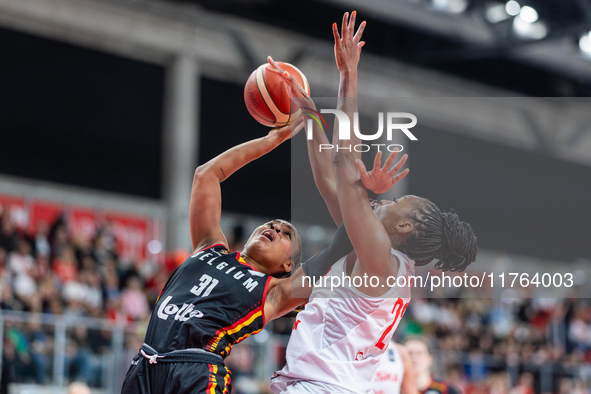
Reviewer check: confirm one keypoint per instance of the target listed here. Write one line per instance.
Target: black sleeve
(340, 245)
(319, 264)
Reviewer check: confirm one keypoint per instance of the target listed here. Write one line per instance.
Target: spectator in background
(8, 232)
(499, 383)
(94, 292)
(41, 241)
(111, 280)
(4, 273)
(419, 351)
(21, 265)
(104, 245)
(58, 237)
(525, 384)
(40, 349)
(65, 265)
(134, 301)
(8, 366)
(75, 291)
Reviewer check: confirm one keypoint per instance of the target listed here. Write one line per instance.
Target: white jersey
(338, 339)
(390, 372)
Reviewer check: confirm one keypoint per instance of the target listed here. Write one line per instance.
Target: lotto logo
(182, 313)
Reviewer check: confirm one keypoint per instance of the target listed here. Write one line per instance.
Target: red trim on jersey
(245, 318)
(244, 262)
(208, 247)
(264, 298)
(213, 342)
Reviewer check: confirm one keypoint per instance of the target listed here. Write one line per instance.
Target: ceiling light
(512, 7)
(528, 14)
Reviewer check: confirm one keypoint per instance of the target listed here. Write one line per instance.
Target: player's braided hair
(442, 236)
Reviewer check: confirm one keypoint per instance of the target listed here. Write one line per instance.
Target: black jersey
(212, 301)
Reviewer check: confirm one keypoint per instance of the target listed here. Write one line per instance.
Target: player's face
(391, 212)
(271, 245)
(419, 356)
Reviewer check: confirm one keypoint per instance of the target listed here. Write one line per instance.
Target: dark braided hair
(442, 236)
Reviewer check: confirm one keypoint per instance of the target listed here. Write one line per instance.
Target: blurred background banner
(108, 106)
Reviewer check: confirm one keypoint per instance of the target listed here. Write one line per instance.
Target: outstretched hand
(347, 46)
(380, 179)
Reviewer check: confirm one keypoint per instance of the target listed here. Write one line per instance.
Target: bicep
(283, 298)
(205, 210)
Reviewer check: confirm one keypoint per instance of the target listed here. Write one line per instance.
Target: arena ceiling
(544, 52)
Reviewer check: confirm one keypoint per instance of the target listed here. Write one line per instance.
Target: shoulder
(217, 246)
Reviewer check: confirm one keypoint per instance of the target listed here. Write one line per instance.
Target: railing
(111, 366)
(114, 363)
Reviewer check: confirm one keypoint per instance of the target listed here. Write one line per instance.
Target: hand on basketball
(286, 132)
(381, 179)
(347, 46)
(294, 89)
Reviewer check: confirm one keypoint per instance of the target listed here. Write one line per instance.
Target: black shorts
(178, 372)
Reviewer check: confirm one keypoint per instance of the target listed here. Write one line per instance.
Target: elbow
(200, 171)
(342, 158)
(337, 158)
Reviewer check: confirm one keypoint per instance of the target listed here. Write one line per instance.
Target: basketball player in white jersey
(337, 341)
(395, 373)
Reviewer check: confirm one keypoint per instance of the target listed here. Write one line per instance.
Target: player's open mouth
(269, 234)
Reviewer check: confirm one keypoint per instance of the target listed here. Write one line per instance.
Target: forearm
(348, 103)
(367, 234)
(323, 172)
(235, 158)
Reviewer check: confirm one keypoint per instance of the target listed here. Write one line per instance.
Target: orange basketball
(266, 97)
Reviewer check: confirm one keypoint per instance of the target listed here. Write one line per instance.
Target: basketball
(266, 97)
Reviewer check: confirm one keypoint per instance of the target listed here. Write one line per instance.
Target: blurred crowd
(54, 271)
(485, 345)
(482, 345)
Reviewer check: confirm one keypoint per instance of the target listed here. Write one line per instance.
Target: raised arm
(205, 208)
(366, 232)
(346, 58)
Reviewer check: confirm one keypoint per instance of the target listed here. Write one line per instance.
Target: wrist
(348, 72)
(276, 137)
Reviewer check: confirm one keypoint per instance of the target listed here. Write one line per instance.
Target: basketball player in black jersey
(216, 299)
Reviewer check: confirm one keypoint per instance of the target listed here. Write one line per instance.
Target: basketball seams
(267, 119)
(256, 81)
(269, 113)
(260, 79)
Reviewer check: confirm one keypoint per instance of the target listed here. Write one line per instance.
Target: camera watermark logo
(344, 127)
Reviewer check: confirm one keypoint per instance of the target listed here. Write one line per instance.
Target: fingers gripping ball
(267, 98)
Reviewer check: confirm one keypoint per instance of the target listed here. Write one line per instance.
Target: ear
(404, 226)
(288, 266)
